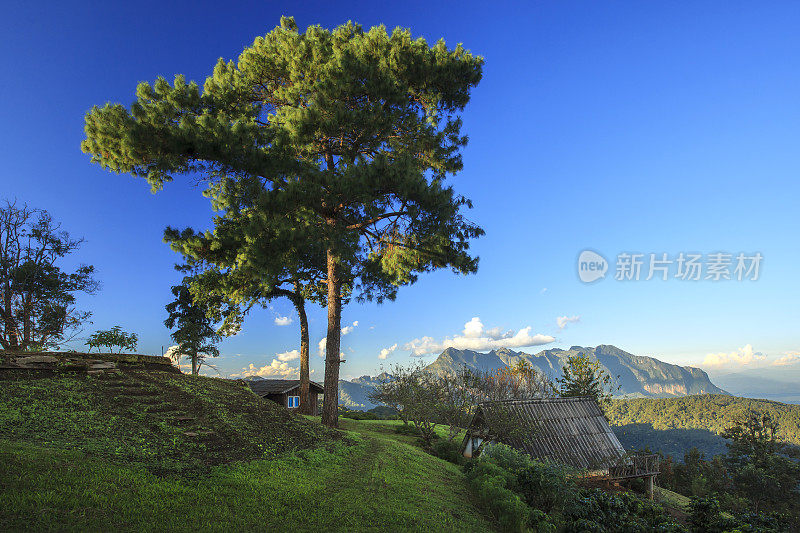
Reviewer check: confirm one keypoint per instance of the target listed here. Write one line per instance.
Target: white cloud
(741, 357)
(387, 351)
(474, 328)
(291, 355)
(349, 329)
(562, 321)
(544, 290)
(475, 337)
(276, 369)
(173, 353)
(283, 320)
(322, 348)
(789, 359)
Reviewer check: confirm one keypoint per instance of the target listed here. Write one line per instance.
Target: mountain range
(637, 376)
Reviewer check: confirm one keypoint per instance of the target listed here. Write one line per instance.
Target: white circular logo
(591, 266)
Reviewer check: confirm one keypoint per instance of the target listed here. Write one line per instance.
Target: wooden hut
(568, 431)
(286, 392)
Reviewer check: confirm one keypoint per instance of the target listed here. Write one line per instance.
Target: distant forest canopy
(672, 442)
(714, 413)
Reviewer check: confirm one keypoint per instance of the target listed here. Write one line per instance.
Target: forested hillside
(714, 413)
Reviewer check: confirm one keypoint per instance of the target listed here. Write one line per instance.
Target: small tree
(583, 376)
(516, 382)
(459, 395)
(760, 472)
(113, 338)
(194, 329)
(415, 395)
(37, 297)
(392, 391)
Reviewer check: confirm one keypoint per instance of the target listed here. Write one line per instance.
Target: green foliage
(760, 472)
(696, 476)
(599, 511)
(490, 483)
(37, 297)
(553, 501)
(584, 376)
(113, 338)
(715, 413)
(407, 429)
(449, 450)
(674, 442)
(546, 486)
(194, 328)
(755, 477)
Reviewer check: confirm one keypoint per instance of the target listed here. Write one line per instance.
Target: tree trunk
(330, 404)
(195, 370)
(305, 397)
(10, 325)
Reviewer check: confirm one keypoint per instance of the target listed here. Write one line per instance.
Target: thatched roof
(263, 387)
(570, 431)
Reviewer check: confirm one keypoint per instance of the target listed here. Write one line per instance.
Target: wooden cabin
(568, 431)
(286, 392)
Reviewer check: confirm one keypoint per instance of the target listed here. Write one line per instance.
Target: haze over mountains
(639, 376)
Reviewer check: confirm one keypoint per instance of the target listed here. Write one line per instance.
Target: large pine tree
(353, 132)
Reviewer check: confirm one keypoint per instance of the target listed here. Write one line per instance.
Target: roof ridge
(541, 400)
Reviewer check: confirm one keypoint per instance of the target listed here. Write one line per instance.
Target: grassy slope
(373, 479)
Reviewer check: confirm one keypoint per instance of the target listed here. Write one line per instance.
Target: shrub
(705, 515)
(506, 507)
(596, 510)
(507, 458)
(552, 501)
(546, 486)
(448, 450)
(407, 429)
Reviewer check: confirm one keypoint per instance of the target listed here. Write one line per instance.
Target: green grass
(671, 499)
(136, 417)
(367, 478)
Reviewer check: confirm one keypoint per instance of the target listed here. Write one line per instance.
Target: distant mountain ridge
(639, 376)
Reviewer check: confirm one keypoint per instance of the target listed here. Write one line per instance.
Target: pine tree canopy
(339, 140)
(359, 128)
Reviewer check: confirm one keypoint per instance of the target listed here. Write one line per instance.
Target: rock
(103, 366)
(94, 372)
(36, 359)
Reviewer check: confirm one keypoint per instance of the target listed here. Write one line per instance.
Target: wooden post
(649, 486)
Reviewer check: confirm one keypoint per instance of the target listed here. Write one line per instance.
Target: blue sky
(613, 126)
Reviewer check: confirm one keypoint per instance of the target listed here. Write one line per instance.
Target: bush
(407, 429)
(507, 458)
(546, 486)
(705, 515)
(449, 450)
(546, 498)
(596, 510)
(504, 506)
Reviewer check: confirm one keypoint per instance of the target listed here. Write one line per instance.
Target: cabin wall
(283, 399)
